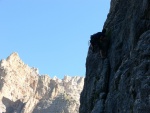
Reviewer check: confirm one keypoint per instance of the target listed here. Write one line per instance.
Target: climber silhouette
(99, 42)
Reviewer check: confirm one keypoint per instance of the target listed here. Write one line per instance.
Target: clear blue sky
(51, 35)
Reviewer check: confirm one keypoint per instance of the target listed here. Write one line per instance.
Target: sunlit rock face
(120, 83)
(23, 90)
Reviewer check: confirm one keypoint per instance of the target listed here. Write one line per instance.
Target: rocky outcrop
(120, 83)
(23, 90)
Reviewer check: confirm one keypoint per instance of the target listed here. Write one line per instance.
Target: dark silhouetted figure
(99, 42)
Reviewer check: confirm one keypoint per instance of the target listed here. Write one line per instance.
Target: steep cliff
(23, 90)
(120, 83)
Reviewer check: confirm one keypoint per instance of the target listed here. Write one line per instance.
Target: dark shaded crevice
(11, 106)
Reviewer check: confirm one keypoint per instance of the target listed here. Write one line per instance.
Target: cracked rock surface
(120, 83)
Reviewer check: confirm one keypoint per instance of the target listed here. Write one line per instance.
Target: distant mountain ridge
(23, 90)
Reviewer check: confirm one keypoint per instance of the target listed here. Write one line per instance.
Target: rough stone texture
(23, 90)
(121, 82)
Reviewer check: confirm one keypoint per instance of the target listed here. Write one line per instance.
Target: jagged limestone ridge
(23, 90)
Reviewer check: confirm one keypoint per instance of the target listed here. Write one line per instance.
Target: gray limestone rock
(120, 83)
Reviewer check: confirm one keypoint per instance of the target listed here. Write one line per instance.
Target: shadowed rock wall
(121, 82)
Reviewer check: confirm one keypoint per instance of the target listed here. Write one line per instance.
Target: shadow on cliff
(58, 105)
(11, 106)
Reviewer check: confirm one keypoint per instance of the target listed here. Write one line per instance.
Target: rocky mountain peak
(13, 56)
(23, 90)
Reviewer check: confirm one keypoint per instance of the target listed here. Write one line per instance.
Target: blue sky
(51, 35)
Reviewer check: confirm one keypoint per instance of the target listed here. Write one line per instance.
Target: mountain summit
(23, 90)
